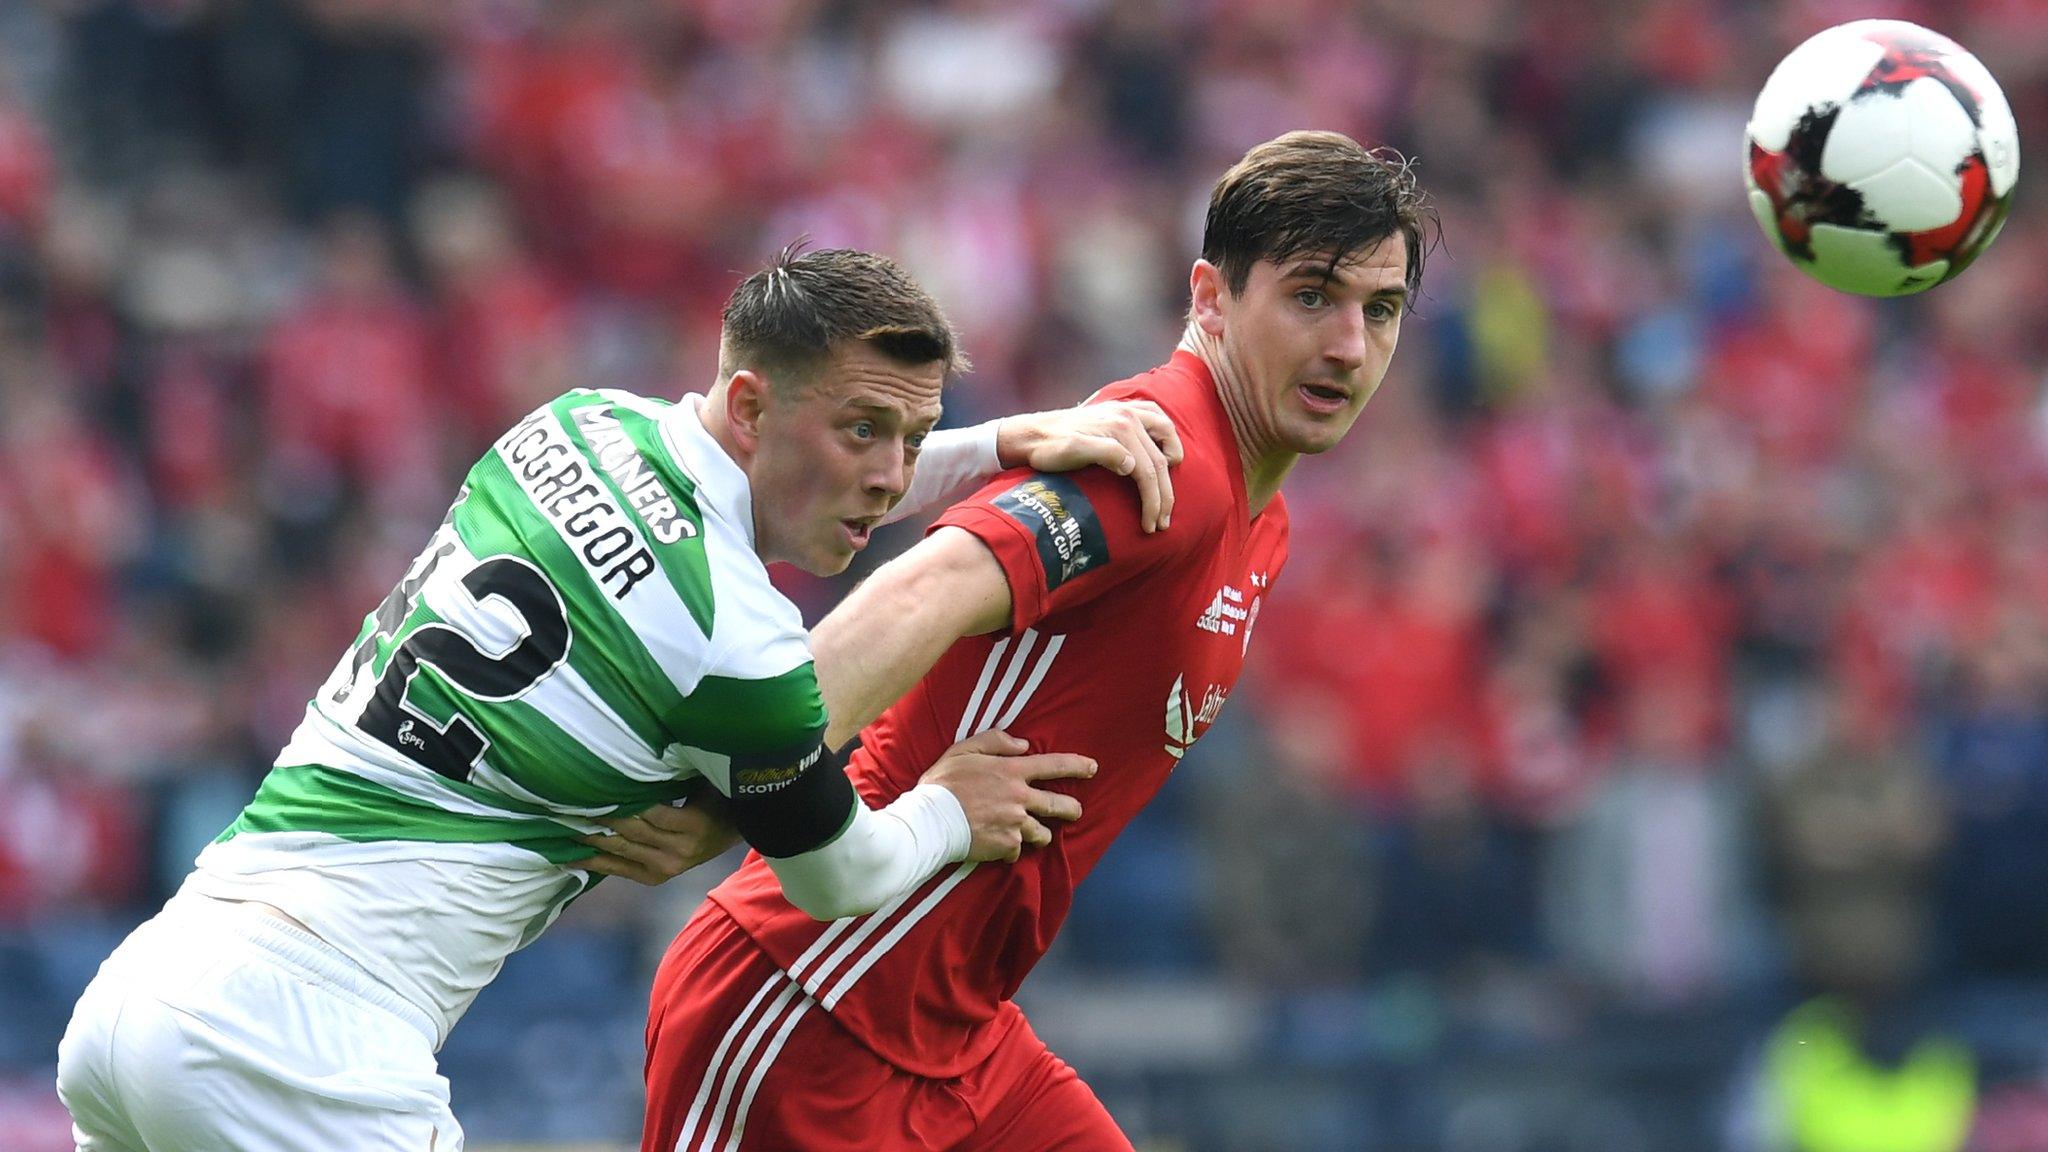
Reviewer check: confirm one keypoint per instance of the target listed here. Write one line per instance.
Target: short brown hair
(785, 319)
(1306, 193)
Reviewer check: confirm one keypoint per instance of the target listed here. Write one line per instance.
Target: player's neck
(1264, 472)
(712, 414)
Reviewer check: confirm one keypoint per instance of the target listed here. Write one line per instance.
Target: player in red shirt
(1040, 607)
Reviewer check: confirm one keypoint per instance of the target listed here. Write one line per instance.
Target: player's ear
(1206, 292)
(746, 400)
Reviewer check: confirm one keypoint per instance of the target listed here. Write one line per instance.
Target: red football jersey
(1122, 647)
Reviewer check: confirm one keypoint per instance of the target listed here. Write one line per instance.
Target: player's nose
(1345, 347)
(889, 472)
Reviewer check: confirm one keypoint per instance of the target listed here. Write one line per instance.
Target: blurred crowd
(1672, 633)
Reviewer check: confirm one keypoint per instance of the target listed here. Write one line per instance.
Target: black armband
(789, 805)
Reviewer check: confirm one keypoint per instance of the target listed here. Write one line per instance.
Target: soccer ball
(1882, 157)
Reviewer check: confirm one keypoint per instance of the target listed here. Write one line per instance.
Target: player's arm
(1132, 438)
(978, 802)
(1005, 558)
(894, 627)
(833, 855)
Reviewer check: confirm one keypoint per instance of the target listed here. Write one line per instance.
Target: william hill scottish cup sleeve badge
(1062, 522)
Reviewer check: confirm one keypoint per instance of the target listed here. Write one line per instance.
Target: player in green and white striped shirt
(590, 635)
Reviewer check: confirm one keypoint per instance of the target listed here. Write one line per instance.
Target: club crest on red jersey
(1187, 719)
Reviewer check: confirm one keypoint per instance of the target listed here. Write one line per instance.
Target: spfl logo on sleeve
(1069, 537)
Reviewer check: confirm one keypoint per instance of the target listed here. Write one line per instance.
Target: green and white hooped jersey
(589, 630)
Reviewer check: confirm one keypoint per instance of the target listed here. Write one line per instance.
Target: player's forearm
(886, 635)
(834, 855)
(880, 856)
(952, 460)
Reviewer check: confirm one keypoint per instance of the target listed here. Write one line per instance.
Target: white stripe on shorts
(729, 1064)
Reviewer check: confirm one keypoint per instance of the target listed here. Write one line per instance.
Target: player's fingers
(1155, 480)
(689, 821)
(605, 865)
(994, 742)
(674, 851)
(1107, 451)
(1052, 805)
(1146, 474)
(1036, 835)
(1008, 844)
(654, 859)
(632, 830)
(1159, 428)
(1055, 766)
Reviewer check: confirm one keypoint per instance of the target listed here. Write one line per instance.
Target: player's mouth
(1324, 398)
(858, 531)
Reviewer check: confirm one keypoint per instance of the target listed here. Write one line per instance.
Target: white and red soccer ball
(1882, 157)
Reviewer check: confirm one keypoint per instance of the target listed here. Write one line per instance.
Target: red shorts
(738, 1057)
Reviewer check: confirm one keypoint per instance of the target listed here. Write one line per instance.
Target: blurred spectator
(1854, 828)
(348, 398)
(505, 330)
(68, 514)
(1649, 889)
(1824, 1089)
(1456, 882)
(1296, 885)
(1991, 740)
(68, 838)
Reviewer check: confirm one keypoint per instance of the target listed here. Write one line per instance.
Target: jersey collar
(722, 485)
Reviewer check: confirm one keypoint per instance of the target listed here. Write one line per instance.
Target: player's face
(1309, 345)
(837, 454)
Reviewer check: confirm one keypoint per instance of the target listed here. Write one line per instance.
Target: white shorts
(216, 1027)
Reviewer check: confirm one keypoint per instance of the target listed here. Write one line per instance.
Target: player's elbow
(824, 911)
(828, 905)
(823, 886)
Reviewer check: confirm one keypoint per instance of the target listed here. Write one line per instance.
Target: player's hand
(661, 843)
(1129, 437)
(992, 777)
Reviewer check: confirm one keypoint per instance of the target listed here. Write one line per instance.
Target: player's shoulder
(1178, 385)
(1205, 480)
(626, 437)
(611, 474)
(612, 415)
(575, 399)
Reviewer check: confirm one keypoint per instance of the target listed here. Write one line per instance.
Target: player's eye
(1311, 298)
(863, 430)
(916, 441)
(1382, 310)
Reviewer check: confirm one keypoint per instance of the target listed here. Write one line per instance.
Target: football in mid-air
(1882, 157)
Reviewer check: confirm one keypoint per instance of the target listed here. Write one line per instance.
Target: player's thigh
(1031, 1101)
(215, 1041)
(276, 1064)
(84, 1081)
(92, 1064)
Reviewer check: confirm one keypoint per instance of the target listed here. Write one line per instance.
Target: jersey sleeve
(953, 462)
(754, 717)
(1065, 539)
(754, 700)
(761, 741)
